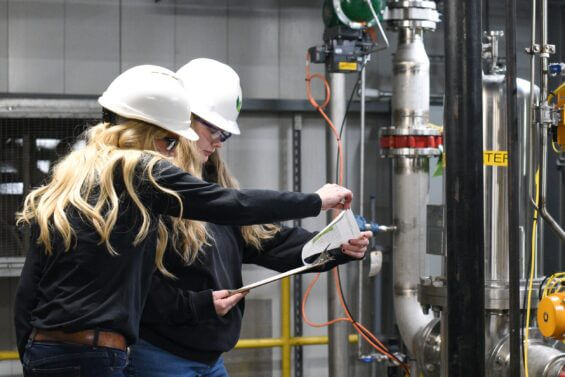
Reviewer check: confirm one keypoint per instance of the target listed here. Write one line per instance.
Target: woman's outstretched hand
(335, 197)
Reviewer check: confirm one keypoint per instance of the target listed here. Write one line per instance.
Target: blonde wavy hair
(216, 171)
(90, 189)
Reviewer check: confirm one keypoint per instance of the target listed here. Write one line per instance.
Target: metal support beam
(464, 190)
(30, 105)
(514, 207)
(297, 280)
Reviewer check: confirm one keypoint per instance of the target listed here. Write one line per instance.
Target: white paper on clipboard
(342, 229)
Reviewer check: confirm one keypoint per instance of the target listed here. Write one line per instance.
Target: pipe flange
(427, 346)
(497, 296)
(420, 131)
(433, 293)
(410, 152)
(411, 4)
(404, 24)
(411, 14)
(410, 142)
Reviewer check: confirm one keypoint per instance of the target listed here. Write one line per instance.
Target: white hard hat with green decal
(214, 92)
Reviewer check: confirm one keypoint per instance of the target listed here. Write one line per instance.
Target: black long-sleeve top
(87, 288)
(179, 315)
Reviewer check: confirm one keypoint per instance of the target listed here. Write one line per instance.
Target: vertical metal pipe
(533, 102)
(336, 107)
(410, 183)
(513, 189)
(411, 81)
(338, 350)
(464, 190)
(545, 130)
(544, 56)
(361, 291)
(297, 280)
(410, 188)
(529, 138)
(362, 146)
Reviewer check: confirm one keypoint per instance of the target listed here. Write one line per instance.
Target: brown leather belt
(93, 338)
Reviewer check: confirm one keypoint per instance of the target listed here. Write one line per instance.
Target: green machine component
(349, 12)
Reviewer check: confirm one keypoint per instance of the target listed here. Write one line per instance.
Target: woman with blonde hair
(97, 231)
(191, 320)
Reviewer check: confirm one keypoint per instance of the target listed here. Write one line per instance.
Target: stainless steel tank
(496, 181)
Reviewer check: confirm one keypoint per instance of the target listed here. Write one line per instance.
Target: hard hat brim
(219, 121)
(183, 129)
(188, 134)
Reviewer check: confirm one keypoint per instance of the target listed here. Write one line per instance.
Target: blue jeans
(150, 361)
(54, 359)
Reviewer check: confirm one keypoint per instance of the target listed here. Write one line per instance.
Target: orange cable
(305, 298)
(362, 330)
(372, 339)
(320, 109)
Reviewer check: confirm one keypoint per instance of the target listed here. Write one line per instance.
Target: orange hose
(365, 334)
(320, 109)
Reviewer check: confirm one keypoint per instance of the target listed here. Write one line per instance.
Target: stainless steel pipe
(338, 344)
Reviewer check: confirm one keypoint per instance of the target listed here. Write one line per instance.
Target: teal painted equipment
(351, 13)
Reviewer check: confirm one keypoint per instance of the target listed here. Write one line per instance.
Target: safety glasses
(170, 142)
(215, 132)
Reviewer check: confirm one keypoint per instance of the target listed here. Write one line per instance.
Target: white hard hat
(213, 91)
(152, 94)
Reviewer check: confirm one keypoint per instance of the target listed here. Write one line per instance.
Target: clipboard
(324, 258)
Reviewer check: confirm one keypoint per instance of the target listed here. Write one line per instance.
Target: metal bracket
(548, 49)
(533, 50)
(545, 114)
(537, 49)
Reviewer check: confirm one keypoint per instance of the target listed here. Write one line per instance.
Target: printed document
(342, 229)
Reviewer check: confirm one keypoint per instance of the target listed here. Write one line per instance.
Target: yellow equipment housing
(551, 316)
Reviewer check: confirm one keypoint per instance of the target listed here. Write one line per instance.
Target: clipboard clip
(325, 257)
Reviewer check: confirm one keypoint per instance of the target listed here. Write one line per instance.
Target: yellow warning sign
(347, 66)
(495, 158)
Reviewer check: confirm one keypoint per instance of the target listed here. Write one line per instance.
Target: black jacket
(179, 315)
(88, 288)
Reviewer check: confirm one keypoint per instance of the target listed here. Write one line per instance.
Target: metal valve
(373, 227)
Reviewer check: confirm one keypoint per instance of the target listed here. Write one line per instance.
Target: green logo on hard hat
(238, 104)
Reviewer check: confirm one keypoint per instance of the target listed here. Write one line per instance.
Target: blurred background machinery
(471, 218)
